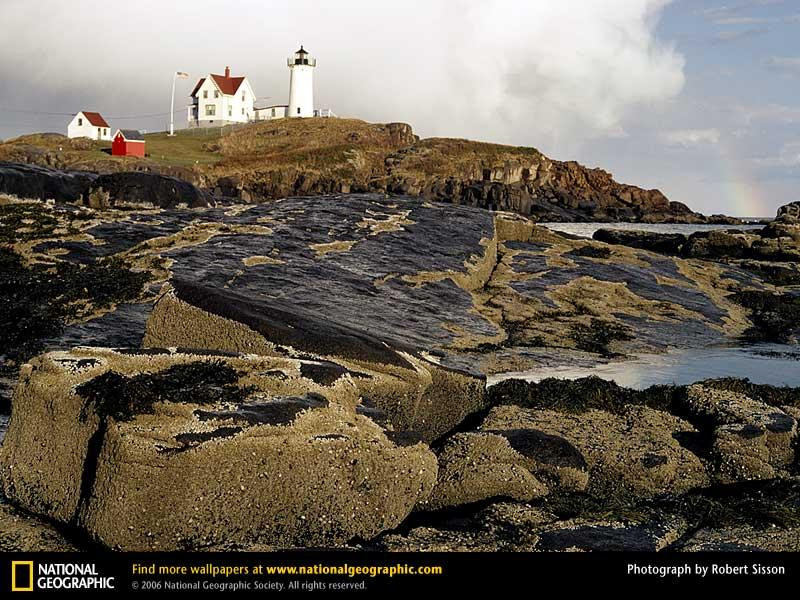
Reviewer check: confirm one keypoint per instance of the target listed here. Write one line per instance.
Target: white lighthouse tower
(301, 84)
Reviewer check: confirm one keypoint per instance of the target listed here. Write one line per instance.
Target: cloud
(783, 64)
(715, 14)
(743, 20)
(789, 156)
(726, 37)
(543, 73)
(691, 137)
(768, 113)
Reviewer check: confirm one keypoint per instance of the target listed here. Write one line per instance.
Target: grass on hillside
(188, 147)
(337, 147)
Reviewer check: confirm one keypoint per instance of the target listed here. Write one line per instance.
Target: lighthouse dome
(302, 57)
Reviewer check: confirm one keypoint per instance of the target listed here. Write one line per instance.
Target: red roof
(197, 87)
(95, 118)
(227, 85)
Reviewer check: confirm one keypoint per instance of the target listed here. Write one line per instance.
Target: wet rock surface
(469, 287)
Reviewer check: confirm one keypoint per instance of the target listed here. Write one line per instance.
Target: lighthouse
(301, 84)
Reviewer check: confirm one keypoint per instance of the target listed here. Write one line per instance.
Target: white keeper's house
(221, 100)
(90, 125)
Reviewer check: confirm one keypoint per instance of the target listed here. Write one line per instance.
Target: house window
(298, 110)
(230, 111)
(216, 94)
(273, 112)
(105, 131)
(242, 110)
(80, 122)
(242, 96)
(211, 110)
(205, 93)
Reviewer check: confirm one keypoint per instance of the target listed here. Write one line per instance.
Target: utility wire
(55, 114)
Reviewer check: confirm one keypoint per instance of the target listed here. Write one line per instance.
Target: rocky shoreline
(311, 372)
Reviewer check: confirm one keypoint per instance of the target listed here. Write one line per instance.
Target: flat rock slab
(478, 290)
(157, 450)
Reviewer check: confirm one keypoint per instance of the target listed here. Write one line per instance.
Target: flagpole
(175, 76)
(172, 106)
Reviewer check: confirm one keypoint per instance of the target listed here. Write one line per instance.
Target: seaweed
(598, 335)
(776, 317)
(36, 301)
(580, 395)
(767, 503)
(768, 394)
(26, 221)
(122, 398)
(591, 252)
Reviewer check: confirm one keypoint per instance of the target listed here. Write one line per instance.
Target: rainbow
(743, 193)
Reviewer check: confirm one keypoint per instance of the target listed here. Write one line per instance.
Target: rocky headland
(311, 372)
(276, 159)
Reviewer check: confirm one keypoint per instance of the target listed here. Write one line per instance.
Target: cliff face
(525, 181)
(321, 156)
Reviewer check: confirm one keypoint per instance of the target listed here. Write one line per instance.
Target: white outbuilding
(274, 111)
(90, 125)
(221, 100)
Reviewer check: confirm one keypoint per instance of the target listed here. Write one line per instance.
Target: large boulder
(41, 183)
(750, 439)
(789, 213)
(711, 245)
(415, 392)
(477, 466)
(20, 532)
(165, 451)
(150, 189)
(665, 243)
(631, 455)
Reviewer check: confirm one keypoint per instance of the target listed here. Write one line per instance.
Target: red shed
(127, 142)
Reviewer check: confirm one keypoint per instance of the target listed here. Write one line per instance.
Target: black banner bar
(364, 572)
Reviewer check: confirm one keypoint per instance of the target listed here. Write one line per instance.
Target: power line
(72, 114)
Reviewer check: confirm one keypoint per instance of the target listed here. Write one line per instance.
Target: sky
(696, 98)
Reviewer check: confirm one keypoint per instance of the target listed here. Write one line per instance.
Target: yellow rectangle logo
(23, 583)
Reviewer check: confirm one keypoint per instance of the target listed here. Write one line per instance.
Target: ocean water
(587, 230)
(775, 364)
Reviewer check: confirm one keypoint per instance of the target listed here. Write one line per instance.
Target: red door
(118, 146)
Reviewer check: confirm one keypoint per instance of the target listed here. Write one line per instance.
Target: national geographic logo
(27, 577)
